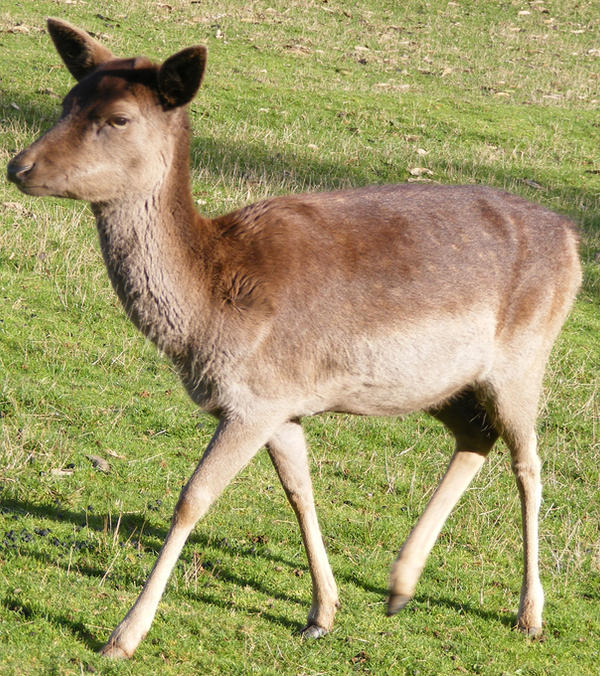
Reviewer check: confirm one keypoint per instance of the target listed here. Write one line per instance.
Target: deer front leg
(287, 448)
(409, 565)
(231, 448)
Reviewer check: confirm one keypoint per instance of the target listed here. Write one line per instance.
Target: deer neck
(153, 248)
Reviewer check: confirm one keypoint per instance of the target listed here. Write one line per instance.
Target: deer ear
(180, 76)
(80, 52)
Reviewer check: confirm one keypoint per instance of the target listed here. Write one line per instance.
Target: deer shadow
(225, 571)
(138, 526)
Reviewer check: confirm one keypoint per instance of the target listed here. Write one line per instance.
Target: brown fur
(381, 301)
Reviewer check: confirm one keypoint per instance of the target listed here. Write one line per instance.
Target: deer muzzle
(18, 169)
(21, 171)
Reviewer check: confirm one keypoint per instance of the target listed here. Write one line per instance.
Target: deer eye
(118, 121)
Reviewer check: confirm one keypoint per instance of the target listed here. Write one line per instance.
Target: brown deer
(375, 301)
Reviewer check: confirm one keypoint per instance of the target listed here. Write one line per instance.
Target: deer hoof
(531, 632)
(313, 631)
(115, 652)
(396, 602)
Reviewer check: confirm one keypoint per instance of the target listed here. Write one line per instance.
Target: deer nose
(17, 170)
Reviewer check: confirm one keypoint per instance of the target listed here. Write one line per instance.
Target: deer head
(119, 124)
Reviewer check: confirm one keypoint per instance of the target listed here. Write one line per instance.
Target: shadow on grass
(78, 629)
(224, 571)
(136, 525)
(509, 620)
(93, 642)
(222, 159)
(131, 523)
(282, 620)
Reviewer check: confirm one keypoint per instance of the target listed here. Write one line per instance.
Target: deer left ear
(80, 52)
(180, 76)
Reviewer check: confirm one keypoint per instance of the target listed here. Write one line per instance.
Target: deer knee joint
(527, 470)
(190, 508)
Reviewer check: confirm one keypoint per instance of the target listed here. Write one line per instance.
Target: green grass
(298, 95)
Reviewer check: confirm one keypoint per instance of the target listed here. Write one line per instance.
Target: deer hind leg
(231, 448)
(526, 468)
(287, 448)
(474, 435)
(516, 414)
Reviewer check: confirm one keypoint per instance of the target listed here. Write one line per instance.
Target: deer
(378, 300)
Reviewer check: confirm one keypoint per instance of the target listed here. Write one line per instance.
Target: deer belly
(412, 369)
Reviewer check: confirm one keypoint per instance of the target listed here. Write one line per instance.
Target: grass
(300, 95)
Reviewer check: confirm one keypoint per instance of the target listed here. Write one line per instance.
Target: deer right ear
(80, 52)
(180, 76)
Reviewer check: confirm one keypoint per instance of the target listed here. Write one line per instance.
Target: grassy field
(299, 95)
